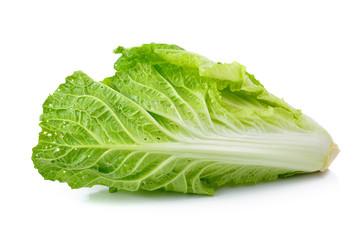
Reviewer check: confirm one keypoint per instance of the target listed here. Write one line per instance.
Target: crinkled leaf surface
(174, 120)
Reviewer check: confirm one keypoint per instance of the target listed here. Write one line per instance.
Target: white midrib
(298, 152)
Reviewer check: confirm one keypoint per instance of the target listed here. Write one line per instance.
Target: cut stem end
(332, 154)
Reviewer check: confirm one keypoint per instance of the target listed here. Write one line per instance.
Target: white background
(307, 52)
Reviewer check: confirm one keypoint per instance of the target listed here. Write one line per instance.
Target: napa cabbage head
(174, 120)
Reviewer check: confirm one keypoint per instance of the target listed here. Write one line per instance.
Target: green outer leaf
(174, 120)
